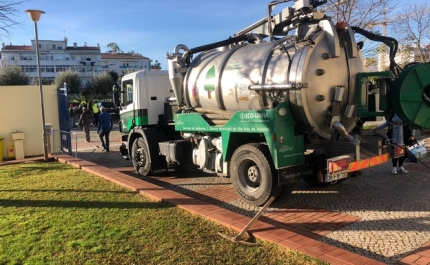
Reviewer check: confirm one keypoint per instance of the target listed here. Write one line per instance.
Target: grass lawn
(53, 213)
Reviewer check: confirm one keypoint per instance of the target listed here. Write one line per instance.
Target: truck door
(127, 105)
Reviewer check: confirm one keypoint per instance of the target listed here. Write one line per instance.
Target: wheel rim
(249, 176)
(140, 157)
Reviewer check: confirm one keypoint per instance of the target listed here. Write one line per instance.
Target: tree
(363, 14)
(113, 46)
(114, 75)
(359, 13)
(73, 81)
(156, 65)
(7, 10)
(127, 71)
(99, 86)
(45, 81)
(413, 27)
(12, 75)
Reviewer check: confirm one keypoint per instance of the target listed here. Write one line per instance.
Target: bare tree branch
(413, 29)
(363, 14)
(8, 10)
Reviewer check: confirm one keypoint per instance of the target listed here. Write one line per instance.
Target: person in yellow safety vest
(95, 109)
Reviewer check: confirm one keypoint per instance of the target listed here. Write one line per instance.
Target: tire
(140, 157)
(253, 174)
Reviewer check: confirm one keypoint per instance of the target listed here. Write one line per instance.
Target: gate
(65, 142)
(62, 139)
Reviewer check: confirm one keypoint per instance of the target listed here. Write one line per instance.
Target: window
(54, 46)
(127, 85)
(61, 68)
(27, 68)
(46, 56)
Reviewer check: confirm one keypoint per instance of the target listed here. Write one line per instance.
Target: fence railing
(64, 142)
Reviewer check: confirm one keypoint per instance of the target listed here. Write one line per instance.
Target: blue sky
(149, 27)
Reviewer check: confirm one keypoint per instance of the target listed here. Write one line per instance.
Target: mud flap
(288, 175)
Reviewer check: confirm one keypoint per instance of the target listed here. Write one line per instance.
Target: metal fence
(64, 142)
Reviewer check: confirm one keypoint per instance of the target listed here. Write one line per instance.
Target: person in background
(76, 116)
(104, 128)
(95, 108)
(400, 134)
(71, 116)
(85, 121)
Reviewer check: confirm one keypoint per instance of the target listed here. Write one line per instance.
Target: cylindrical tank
(321, 70)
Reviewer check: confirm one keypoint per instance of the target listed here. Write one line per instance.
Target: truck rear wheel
(253, 174)
(140, 157)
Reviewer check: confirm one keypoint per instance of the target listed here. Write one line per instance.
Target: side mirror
(116, 98)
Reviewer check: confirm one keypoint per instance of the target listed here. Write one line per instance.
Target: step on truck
(274, 103)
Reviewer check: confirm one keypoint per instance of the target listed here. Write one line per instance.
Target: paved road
(394, 209)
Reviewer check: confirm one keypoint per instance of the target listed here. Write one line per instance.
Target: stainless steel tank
(315, 74)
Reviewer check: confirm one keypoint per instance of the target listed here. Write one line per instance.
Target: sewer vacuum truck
(282, 100)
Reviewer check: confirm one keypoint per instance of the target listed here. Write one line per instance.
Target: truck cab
(145, 105)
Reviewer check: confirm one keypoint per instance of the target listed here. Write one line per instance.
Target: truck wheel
(253, 174)
(140, 157)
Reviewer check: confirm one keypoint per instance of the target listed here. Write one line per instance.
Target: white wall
(20, 109)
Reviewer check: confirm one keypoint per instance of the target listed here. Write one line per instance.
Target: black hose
(248, 37)
(390, 42)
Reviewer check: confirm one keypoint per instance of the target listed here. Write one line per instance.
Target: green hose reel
(410, 95)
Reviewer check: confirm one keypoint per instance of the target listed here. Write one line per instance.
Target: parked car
(111, 108)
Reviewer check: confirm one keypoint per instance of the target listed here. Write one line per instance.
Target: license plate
(335, 176)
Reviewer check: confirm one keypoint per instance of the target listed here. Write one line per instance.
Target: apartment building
(120, 62)
(55, 57)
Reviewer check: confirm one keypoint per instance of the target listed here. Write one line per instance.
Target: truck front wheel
(253, 174)
(140, 157)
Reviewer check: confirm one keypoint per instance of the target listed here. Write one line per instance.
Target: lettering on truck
(291, 175)
(254, 115)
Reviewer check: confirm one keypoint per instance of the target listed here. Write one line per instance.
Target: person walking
(104, 127)
(399, 133)
(95, 109)
(71, 116)
(85, 121)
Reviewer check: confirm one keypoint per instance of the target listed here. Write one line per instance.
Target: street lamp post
(35, 16)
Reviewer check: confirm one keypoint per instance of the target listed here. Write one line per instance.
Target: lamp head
(34, 14)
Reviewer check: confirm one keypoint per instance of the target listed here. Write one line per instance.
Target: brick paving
(374, 219)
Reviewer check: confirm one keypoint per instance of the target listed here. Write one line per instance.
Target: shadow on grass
(83, 204)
